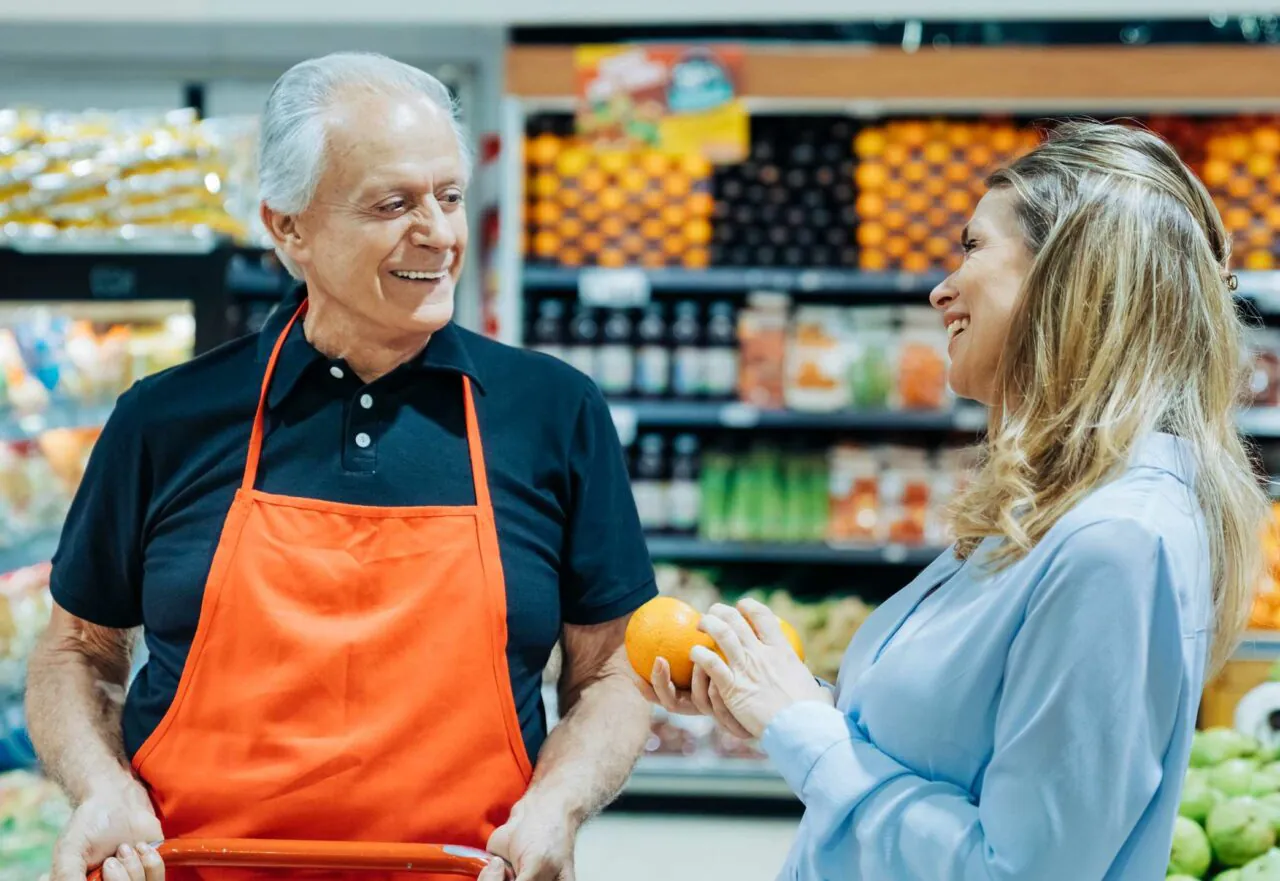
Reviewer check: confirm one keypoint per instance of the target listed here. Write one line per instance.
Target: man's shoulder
(203, 386)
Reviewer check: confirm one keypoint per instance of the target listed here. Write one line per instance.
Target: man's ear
(284, 231)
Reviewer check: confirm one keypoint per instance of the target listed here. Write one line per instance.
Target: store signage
(675, 98)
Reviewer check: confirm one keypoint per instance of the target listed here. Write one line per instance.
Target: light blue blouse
(1033, 724)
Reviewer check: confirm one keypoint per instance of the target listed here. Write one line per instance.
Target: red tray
(441, 859)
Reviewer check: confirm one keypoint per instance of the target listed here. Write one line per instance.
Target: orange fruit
(695, 165)
(572, 162)
(870, 235)
(871, 176)
(613, 162)
(793, 637)
(546, 244)
(701, 204)
(1259, 260)
(653, 163)
(665, 628)
(873, 261)
(612, 200)
(543, 149)
(697, 258)
(869, 143)
(870, 205)
(698, 232)
(677, 185)
(895, 155)
(937, 152)
(1216, 172)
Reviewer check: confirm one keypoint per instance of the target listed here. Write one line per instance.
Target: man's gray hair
(291, 145)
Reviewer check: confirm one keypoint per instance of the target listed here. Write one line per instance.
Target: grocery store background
(747, 283)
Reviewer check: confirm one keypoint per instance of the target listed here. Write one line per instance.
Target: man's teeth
(420, 276)
(956, 326)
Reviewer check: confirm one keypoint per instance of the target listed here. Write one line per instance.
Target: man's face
(386, 233)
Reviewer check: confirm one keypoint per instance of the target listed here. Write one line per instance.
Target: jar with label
(584, 338)
(684, 493)
(817, 369)
(688, 368)
(721, 353)
(548, 334)
(653, 354)
(616, 357)
(872, 343)
(649, 483)
(922, 362)
(855, 509)
(762, 349)
(906, 494)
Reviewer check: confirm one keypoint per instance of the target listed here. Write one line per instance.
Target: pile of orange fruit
(1266, 602)
(1242, 171)
(589, 206)
(918, 181)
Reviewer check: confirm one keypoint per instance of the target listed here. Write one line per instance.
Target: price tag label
(739, 416)
(613, 288)
(624, 422)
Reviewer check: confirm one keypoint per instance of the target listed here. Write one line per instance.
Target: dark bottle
(720, 358)
(616, 357)
(688, 367)
(653, 356)
(584, 339)
(684, 496)
(649, 483)
(548, 334)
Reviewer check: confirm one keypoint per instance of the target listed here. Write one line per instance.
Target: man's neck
(370, 351)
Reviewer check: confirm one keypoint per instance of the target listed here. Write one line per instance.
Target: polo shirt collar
(446, 351)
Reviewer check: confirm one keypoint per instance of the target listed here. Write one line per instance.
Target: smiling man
(351, 541)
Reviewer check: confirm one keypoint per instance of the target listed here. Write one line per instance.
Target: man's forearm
(75, 697)
(589, 755)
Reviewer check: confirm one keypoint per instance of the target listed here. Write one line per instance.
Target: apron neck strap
(478, 472)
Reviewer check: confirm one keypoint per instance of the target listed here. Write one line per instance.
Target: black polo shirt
(138, 543)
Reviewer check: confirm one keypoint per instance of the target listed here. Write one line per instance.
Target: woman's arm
(1091, 697)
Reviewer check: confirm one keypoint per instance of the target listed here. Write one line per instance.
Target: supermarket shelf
(38, 548)
(677, 775)
(678, 549)
(1259, 645)
(704, 414)
(1259, 421)
(59, 414)
(733, 280)
(135, 245)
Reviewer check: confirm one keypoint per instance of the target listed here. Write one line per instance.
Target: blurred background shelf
(59, 414)
(678, 549)
(707, 776)
(1259, 645)
(29, 551)
(735, 280)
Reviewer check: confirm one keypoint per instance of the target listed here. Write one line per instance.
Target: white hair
(292, 139)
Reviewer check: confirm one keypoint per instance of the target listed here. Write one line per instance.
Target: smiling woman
(1024, 708)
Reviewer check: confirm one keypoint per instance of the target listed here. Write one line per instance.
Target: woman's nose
(942, 296)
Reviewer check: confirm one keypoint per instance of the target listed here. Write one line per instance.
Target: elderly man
(351, 541)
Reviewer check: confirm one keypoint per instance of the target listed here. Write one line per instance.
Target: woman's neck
(371, 351)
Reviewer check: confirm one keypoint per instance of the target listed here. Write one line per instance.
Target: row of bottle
(648, 353)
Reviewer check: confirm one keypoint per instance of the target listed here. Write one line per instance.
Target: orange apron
(348, 676)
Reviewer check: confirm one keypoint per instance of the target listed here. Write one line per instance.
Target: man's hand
(539, 844)
(115, 829)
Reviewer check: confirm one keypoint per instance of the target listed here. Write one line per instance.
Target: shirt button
(336, 372)
(363, 440)
(366, 401)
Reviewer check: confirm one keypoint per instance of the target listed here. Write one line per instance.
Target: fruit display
(1229, 815)
(25, 607)
(132, 175)
(614, 208)
(61, 370)
(1241, 168)
(32, 813)
(918, 181)
(791, 203)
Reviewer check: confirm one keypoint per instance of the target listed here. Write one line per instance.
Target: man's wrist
(115, 783)
(552, 800)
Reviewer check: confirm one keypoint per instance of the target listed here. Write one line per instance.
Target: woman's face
(977, 300)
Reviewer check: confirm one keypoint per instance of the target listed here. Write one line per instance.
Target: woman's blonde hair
(1126, 325)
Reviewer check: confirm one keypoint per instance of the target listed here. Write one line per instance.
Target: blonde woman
(1024, 708)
